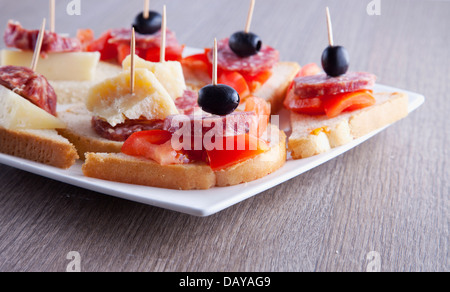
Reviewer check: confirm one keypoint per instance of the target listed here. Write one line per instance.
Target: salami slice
(237, 123)
(30, 85)
(123, 36)
(320, 85)
(20, 38)
(228, 60)
(122, 132)
(188, 103)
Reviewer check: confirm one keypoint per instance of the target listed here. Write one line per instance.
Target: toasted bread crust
(306, 142)
(80, 133)
(39, 147)
(85, 144)
(194, 176)
(131, 170)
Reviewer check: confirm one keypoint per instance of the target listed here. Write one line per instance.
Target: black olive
(149, 25)
(245, 44)
(335, 61)
(218, 99)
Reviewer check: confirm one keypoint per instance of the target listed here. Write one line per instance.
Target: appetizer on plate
(69, 70)
(245, 63)
(218, 146)
(28, 116)
(114, 44)
(333, 108)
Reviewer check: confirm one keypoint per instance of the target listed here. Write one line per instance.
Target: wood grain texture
(389, 195)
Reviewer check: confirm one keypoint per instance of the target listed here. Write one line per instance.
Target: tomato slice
(235, 80)
(244, 147)
(334, 105)
(86, 36)
(107, 51)
(255, 82)
(173, 53)
(309, 70)
(124, 50)
(155, 145)
(262, 109)
(307, 106)
(198, 63)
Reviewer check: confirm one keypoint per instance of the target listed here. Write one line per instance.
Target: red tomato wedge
(335, 105)
(154, 145)
(124, 50)
(309, 70)
(198, 62)
(172, 54)
(107, 51)
(332, 105)
(244, 147)
(307, 106)
(262, 109)
(235, 80)
(255, 82)
(86, 36)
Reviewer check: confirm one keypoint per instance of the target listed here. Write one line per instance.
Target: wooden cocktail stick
(214, 79)
(163, 36)
(37, 49)
(250, 16)
(146, 9)
(52, 15)
(330, 28)
(133, 61)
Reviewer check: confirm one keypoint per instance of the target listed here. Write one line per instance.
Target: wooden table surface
(383, 205)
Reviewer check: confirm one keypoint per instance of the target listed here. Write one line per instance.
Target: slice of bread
(313, 135)
(76, 91)
(139, 171)
(80, 133)
(273, 91)
(43, 146)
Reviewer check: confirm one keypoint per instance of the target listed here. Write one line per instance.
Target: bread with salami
(328, 112)
(28, 119)
(261, 75)
(192, 176)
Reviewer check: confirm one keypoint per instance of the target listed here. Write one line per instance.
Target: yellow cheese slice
(112, 100)
(169, 73)
(76, 66)
(17, 113)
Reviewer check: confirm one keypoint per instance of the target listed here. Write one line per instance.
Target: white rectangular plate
(197, 203)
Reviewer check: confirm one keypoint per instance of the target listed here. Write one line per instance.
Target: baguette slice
(313, 135)
(132, 170)
(80, 133)
(43, 146)
(273, 91)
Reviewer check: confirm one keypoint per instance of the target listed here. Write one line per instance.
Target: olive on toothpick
(244, 43)
(147, 22)
(218, 99)
(335, 59)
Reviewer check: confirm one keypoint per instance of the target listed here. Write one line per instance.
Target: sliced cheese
(77, 66)
(169, 73)
(112, 100)
(17, 113)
